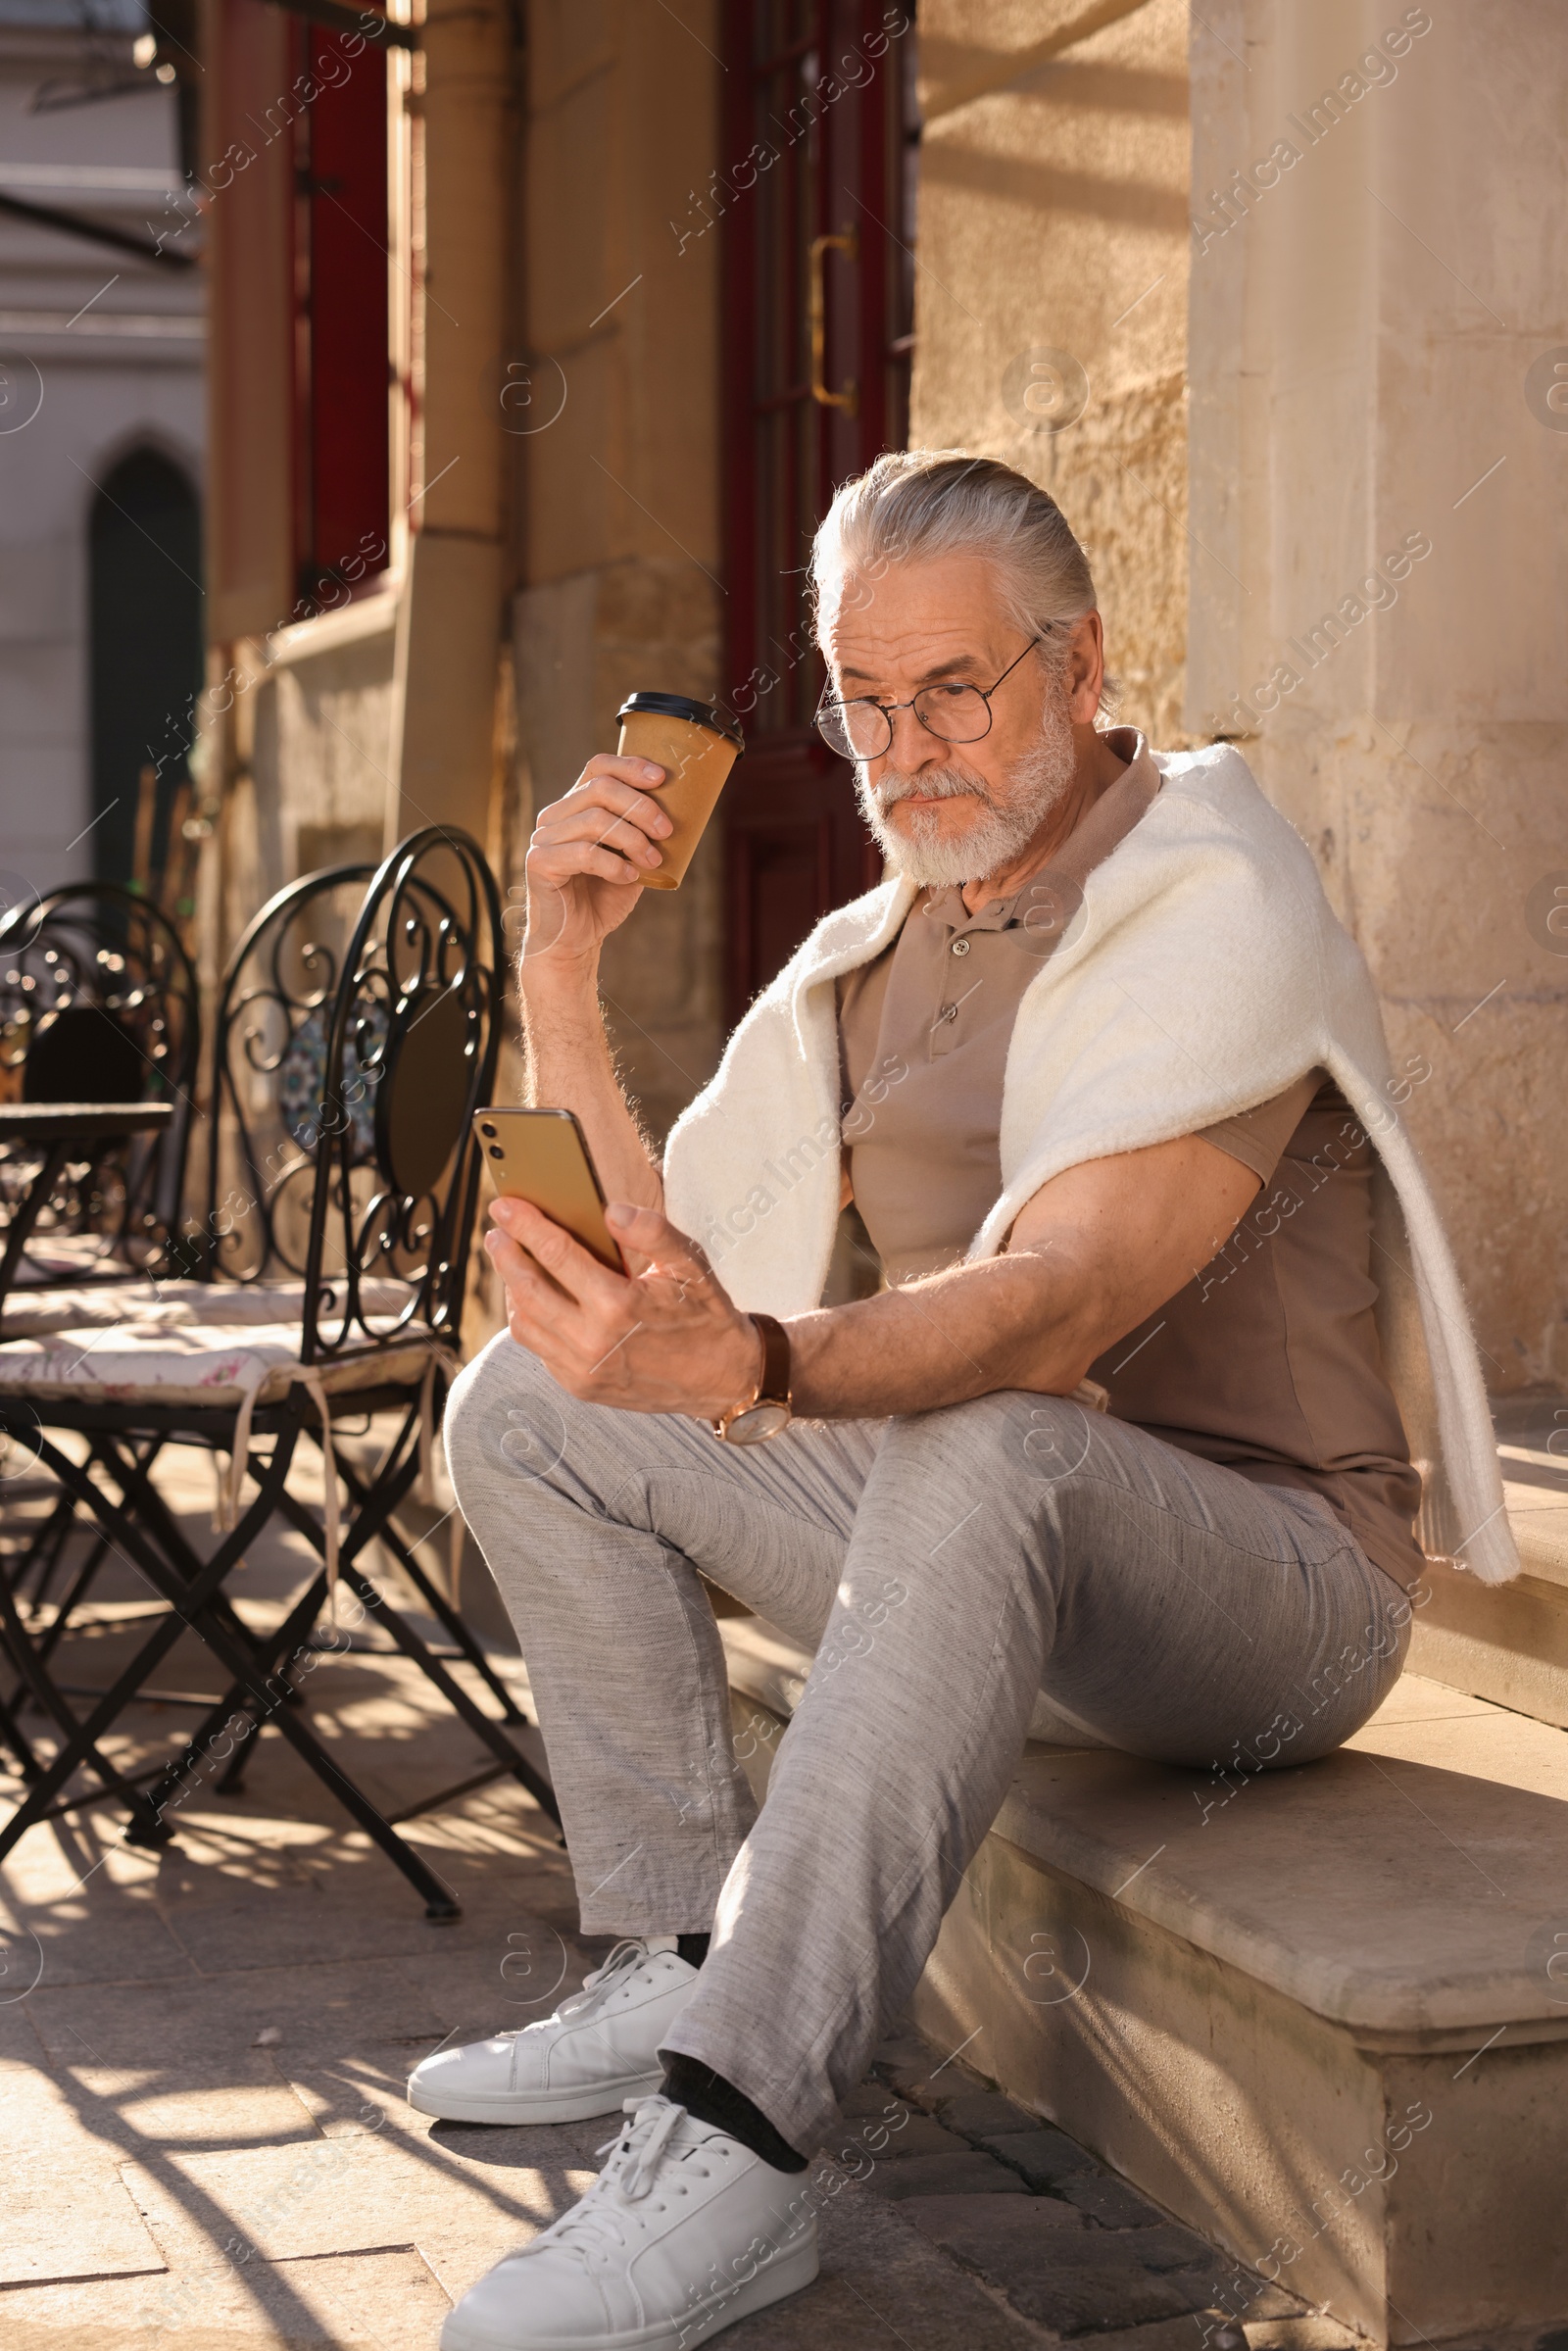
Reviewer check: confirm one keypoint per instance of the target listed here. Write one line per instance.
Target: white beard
(918, 851)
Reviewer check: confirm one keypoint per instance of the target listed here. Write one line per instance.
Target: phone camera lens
(487, 1129)
(496, 1152)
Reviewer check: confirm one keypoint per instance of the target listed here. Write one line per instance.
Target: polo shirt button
(961, 947)
(949, 1013)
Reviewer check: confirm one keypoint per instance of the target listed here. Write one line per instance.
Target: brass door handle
(849, 245)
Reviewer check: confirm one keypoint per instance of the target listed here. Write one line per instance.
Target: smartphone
(542, 1156)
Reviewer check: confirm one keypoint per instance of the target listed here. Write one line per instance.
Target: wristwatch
(767, 1410)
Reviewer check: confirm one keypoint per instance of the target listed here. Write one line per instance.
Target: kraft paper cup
(697, 749)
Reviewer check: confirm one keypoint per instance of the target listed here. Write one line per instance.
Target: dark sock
(711, 2099)
(693, 1948)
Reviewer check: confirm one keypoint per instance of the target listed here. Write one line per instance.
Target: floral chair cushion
(179, 1304)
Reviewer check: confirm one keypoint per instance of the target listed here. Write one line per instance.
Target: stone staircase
(1320, 2015)
(1511, 1644)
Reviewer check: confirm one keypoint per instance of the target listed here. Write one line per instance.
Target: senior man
(1102, 1073)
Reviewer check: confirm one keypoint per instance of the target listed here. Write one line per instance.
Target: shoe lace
(622, 1960)
(596, 2226)
(624, 1956)
(635, 2155)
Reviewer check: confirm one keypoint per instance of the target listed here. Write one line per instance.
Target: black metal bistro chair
(342, 1192)
(99, 1005)
(275, 1008)
(100, 1044)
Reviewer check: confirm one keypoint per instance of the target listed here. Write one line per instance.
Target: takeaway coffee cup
(697, 749)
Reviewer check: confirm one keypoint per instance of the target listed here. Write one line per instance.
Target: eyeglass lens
(862, 729)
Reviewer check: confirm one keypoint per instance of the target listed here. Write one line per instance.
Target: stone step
(1320, 2015)
(1510, 1643)
(1066, 2244)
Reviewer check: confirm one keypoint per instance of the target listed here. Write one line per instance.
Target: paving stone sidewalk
(203, 2053)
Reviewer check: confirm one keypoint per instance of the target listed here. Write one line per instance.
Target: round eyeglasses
(862, 728)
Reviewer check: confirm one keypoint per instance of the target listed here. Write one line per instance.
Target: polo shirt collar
(1103, 825)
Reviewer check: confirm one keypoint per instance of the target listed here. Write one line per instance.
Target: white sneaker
(684, 2232)
(600, 2049)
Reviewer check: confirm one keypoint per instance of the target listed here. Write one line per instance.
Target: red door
(816, 208)
(342, 324)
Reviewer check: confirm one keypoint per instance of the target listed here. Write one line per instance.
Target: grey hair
(915, 502)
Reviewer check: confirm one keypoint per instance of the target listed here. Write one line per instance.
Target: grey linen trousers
(946, 1569)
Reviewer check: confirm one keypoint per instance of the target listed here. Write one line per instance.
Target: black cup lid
(679, 706)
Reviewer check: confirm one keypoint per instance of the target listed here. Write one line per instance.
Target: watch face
(757, 1423)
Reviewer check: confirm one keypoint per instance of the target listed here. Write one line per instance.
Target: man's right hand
(588, 859)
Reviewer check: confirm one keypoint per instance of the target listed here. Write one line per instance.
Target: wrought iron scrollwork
(418, 1025)
(274, 1027)
(353, 1043)
(99, 1003)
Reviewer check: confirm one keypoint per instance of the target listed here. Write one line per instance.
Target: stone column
(451, 617)
(1051, 291)
(614, 407)
(1379, 369)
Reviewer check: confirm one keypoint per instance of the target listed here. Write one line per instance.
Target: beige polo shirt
(1268, 1360)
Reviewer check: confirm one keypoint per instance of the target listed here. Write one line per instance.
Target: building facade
(102, 440)
(1266, 296)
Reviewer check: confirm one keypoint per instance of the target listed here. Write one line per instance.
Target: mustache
(940, 783)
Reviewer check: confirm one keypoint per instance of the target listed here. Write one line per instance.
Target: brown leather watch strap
(776, 1383)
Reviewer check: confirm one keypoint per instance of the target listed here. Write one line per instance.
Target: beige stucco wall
(1052, 219)
(617, 427)
(1363, 331)
(1361, 323)
(321, 742)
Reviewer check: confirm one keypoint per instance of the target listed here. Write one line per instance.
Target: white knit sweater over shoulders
(1207, 974)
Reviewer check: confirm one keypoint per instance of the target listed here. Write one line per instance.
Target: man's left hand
(663, 1338)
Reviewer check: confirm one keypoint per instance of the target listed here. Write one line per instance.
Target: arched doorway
(145, 633)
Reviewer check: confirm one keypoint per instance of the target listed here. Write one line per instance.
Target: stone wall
(314, 787)
(616, 428)
(1377, 299)
(1371, 291)
(1051, 300)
